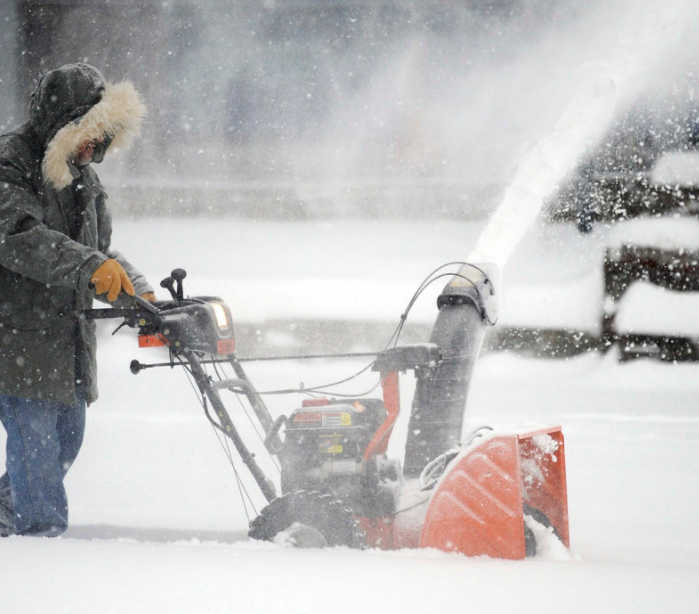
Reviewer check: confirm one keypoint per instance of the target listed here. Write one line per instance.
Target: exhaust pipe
(467, 306)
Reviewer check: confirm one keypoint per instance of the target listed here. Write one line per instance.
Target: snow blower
(494, 493)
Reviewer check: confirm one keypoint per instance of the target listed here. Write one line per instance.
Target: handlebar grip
(144, 304)
(136, 367)
(105, 314)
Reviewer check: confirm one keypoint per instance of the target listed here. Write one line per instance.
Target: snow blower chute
(491, 494)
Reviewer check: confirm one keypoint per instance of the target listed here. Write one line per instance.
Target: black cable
(320, 388)
(357, 395)
(242, 490)
(419, 290)
(246, 412)
(259, 435)
(429, 280)
(226, 440)
(412, 507)
(404, 316)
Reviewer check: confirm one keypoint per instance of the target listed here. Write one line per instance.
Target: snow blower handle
(142, 303)
(142, 313)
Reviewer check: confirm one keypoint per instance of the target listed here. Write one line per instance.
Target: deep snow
(157, 525)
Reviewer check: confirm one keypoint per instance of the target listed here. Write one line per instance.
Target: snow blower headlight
(220, 315)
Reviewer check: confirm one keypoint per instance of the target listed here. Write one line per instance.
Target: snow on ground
(157, 525)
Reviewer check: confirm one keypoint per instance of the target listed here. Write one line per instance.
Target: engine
(324, 450)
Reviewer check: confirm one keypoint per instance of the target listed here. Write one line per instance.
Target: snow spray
(647, 34)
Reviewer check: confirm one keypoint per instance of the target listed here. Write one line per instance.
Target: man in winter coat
(55, 256)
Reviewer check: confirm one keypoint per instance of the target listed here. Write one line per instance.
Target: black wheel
(529, 542)
(308, 520)
(529, 537)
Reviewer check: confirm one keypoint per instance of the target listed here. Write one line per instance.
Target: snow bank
(572, 305)
(679, 232)
(649, 309)
(677, 168)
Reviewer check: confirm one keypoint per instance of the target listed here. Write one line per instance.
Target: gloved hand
(149, 296)
(111, 277)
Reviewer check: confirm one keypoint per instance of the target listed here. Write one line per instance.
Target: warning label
(338, 418)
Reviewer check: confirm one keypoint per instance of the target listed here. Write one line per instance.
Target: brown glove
(149, 296)
(111, 277)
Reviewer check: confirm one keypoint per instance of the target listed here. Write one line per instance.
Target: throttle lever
(178, 275)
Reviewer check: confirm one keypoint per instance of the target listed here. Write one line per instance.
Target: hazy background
(307, 108)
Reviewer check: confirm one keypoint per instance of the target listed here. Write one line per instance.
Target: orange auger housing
(478, 506)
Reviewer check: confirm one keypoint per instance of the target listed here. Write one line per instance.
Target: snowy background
(157, 523)
(447, 148)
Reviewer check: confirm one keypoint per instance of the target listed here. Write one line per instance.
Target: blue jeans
(43, 440)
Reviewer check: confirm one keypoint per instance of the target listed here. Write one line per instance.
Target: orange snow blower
(489, 497)
(494, 494)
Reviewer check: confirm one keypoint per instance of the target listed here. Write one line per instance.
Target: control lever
(178, 275)
(169, 283)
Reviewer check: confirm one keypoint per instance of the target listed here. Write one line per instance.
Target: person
(55, 257)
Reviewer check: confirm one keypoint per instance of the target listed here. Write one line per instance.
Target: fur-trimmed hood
(73, 104)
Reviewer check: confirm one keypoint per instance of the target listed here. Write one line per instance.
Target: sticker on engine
(331, 444)
(338, 418)
(305, 417)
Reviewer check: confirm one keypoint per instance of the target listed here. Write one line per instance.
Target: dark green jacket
(44, 273)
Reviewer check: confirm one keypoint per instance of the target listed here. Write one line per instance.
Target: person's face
(83, 156)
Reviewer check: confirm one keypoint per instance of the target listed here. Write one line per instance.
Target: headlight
(221, 315)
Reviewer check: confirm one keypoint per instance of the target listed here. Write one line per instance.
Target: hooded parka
(55, 231)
